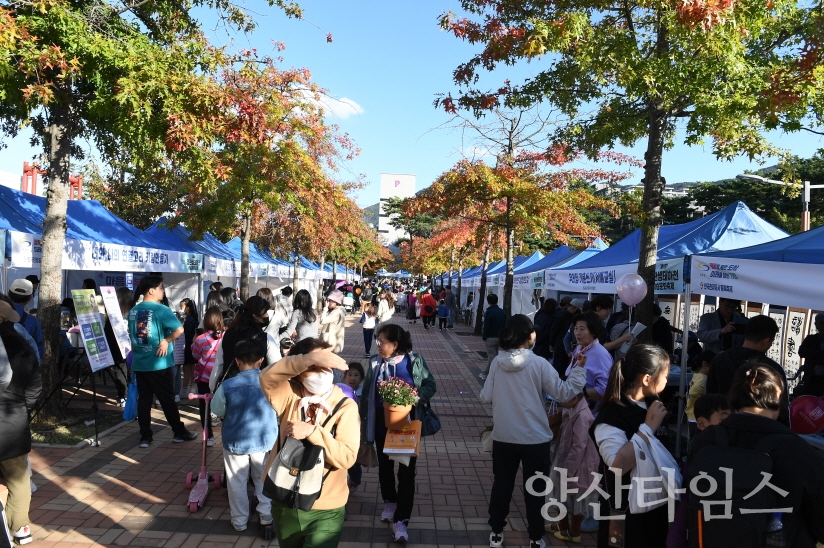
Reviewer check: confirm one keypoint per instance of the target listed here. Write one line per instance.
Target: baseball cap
(577, 303)
(21, 286)
(565, 300)
(33, 278)
(7, 313)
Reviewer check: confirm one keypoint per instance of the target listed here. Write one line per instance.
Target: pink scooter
(197, 498)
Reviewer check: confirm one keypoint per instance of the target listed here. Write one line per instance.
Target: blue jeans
(451, 319)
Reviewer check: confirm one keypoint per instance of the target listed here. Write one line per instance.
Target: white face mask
(319, 383)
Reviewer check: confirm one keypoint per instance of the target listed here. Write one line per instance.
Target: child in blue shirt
(250, 430)
(443, 315)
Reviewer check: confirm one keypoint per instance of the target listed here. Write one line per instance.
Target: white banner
(590, 280)
(521, 281)
(794, 335)
(669, 277)
(787, 284)
(119, 326)
(85, 255)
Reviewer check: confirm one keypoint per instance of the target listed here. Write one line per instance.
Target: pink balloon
(631, 288)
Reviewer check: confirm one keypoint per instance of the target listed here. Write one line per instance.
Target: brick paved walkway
(119, 494)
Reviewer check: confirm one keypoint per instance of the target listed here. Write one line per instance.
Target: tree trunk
(245, 236)
(653, 197)
(510, 259)
(51, 265)
(458, 292)
(334, 272)
(451, 265)
(482, 290)
(319, 296)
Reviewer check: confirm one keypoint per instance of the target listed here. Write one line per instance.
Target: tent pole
(685, 340)
(200, 303)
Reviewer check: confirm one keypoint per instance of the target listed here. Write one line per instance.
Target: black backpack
(748, 464)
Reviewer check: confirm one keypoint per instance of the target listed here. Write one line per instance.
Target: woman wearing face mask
(300, 388)
(251, 319)
(515, 386)
(394, 359)
(332, 321)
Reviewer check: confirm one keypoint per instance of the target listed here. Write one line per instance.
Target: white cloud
(340, 108)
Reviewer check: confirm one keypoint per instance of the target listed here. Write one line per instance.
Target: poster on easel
(91, 329)
(119, 325)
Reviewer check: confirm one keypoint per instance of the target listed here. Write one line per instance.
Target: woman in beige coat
(332, 321)
(300, 385)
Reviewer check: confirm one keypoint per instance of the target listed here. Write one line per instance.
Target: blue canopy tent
(96, 239)
(783, 272)
(733, 227)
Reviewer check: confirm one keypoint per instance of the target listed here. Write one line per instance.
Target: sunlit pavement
(119, 494)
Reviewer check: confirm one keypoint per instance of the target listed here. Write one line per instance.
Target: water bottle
(776, 537)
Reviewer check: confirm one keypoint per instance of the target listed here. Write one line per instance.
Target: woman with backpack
(204, 350)
(310, 407)
(428, 308)
(251, 319)
(631, 408)
(394, 359)
(304, 320)
(745, 437)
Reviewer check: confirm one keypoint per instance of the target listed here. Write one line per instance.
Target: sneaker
(496, 540)
(482, 376)
(589, 525)
(239, 528)
(188, 436)
(177, 398)
(367, 355)
(399, 532)
(121, 402)
(537, 543)
(215, 420)
(566, 536)
(388, 514)
(145, 442)
(22, 535)
(210, 442)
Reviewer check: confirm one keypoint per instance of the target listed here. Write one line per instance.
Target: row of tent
(732, 253)
(97, 240)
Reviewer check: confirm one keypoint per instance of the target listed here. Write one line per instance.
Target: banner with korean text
(787, 284)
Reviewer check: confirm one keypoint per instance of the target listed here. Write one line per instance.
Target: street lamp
(805, 195)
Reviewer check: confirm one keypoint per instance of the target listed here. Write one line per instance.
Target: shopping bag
(130, 409)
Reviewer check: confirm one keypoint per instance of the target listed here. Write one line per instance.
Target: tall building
(393, 186)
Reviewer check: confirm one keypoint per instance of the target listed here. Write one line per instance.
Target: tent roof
(806, 247)
(733, 227)
(552, 258)
(209, 245)
(86, 220)
(532, 259)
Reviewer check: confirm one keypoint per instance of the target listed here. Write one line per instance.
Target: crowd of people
(616, 428)
(273, 367)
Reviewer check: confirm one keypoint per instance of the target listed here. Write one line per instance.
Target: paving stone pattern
(121, 495)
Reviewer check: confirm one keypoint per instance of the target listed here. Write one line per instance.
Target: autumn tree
(403, 218)
(629, 71)
(100, 73)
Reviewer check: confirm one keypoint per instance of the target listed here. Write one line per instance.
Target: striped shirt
(204, 350)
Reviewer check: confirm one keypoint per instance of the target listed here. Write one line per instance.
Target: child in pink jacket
(204, 350)
(578, 455)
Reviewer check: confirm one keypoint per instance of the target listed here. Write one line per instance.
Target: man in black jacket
(16, 401)
(761, 330)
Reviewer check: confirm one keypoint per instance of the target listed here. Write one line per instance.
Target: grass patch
(72, 429)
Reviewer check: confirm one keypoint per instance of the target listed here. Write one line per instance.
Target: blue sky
(387, 62)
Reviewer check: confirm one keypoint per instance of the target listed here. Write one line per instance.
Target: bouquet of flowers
(396, 391)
